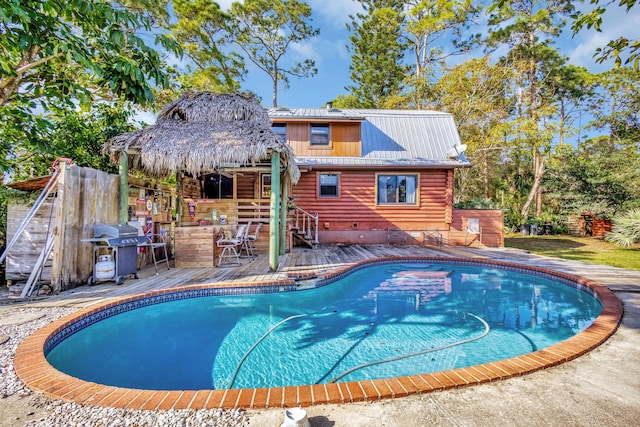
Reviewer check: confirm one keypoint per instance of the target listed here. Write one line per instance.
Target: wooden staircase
(304, 226)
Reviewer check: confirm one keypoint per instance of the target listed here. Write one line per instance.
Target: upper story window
(328, 185)
(280, 129)
(397, 189)
(319, 134)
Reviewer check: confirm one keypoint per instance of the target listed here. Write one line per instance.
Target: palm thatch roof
(203, 132)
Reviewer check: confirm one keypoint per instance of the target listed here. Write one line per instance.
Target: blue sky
(332, 58)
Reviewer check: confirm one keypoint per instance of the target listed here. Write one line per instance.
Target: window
(280, 129)
(319, 134)
(218, 186)
(265, 185)
(328, 185)
(397, 189)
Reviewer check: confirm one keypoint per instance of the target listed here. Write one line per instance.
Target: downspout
(274, 212)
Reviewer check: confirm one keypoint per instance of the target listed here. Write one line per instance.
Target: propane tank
(105, 267)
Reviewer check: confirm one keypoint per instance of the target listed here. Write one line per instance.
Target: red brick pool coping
(32, 367)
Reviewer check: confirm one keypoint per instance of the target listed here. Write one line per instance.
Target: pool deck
(601, 387)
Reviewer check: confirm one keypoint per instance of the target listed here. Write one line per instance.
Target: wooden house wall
(344, 218)
(344, 140)
(491, 222)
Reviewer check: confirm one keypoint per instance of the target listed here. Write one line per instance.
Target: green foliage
(266, 29)
(626, 229)
(598, 177)
(377, 53)
(78, 135)
(55, 50)
(201, 29)
(615, 49)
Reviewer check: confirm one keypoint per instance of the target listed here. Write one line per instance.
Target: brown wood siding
(356, 208)
(491, 222)
(345, 140)
(247, 186)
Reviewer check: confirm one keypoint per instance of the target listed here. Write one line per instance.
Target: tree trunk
(537, 180)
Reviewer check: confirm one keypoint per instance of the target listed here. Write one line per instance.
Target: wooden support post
(274, 212)
(283, 215)
(123, 171)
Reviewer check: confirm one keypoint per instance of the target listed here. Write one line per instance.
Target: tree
(615, 49)
(434, 31)
(56, 52)
(201, 30)
(266, 30)
(474, 92)
(63, 50)
(377, 52)
(75, 134)
(528, 28)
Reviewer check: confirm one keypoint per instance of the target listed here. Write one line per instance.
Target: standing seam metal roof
(389, 137)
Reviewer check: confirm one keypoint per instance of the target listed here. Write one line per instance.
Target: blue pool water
(381, 321)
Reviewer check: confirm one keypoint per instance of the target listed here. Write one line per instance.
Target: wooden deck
(319, 261)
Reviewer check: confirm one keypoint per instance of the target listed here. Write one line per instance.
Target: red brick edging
(32, 367)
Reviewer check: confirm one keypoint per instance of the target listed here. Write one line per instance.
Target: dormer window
(319, 134)
(280, 129)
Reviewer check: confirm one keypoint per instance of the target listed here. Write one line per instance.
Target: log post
(274, 212)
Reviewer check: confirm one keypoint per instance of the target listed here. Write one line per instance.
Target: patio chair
(230, 247)
(473, 229)
(153, 242)
(249, 239)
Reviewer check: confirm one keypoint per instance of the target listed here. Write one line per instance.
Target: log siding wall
(356, 209)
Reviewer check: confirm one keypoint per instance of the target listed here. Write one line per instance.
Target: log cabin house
(381, 176)
(367, 176)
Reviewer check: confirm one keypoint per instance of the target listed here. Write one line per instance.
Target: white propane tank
(105, 268)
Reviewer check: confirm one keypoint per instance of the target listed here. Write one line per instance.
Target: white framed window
(397, 189)
(319, 134)
(328, 185)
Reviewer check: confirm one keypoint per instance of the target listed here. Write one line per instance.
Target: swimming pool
(382, 321)
(369, 318)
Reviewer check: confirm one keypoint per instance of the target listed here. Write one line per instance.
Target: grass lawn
(586, 249)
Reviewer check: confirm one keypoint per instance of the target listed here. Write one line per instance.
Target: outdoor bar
(228, 164)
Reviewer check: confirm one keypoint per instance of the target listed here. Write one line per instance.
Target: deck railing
(305, 223)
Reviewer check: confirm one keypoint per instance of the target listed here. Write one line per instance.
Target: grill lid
(114, 230)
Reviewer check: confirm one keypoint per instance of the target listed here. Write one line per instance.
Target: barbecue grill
(121, 241)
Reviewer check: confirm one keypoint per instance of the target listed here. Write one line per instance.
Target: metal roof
(389, 137)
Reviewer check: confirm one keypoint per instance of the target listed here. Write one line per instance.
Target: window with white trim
(328, 185)
(397, 189)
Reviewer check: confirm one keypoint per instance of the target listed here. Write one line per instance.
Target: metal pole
(283, 214)
(274, 212)
(123, 171)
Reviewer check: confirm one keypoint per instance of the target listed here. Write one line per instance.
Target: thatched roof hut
(203, 132)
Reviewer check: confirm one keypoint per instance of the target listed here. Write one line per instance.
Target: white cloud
(615, 23)
(335, 12)
(226, 4)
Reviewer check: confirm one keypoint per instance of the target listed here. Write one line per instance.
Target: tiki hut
(204, 132)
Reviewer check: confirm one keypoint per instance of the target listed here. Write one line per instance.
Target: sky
(329, 51)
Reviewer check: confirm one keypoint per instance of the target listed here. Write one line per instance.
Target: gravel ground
(20, 406)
